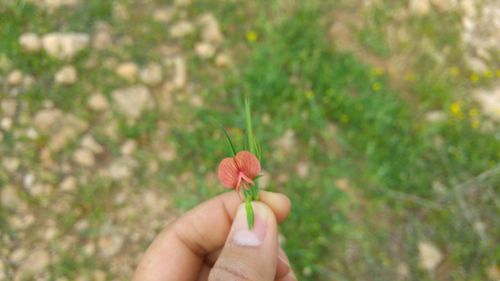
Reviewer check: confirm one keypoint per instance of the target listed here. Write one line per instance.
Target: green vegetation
(370, 176)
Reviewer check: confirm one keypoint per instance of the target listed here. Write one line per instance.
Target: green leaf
(249, 209)
(233, 150)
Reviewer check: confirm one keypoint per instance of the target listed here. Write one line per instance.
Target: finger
(203, 275)
(180, 248)
(249, 254)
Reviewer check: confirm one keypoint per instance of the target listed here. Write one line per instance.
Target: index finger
(178, 251)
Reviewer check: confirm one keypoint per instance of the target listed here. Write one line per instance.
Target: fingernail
(242, 236)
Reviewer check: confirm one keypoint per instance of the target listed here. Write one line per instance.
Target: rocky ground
(96, 108)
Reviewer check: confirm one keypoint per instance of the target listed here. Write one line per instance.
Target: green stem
(249, 209)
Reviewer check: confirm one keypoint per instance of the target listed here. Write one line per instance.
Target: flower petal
(248, 164)
(228, 172)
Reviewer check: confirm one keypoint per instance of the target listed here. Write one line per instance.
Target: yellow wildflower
(454, 71)
(474, 123)
(309, 95)
(377, 71)
(488, 74)
(252, 36)
(473, 112)
(456, 109)
(474, 78)
(376, 86)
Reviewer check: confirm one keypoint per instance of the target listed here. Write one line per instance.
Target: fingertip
(278, 202)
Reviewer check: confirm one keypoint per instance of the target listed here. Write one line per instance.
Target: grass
(381, 177)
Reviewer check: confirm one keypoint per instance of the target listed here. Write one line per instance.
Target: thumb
(249, 254)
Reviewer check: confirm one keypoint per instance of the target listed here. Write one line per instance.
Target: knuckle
(232, 272)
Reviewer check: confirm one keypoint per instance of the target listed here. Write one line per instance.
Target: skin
(198, 246)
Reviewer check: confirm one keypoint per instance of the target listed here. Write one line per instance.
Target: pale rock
(28, 180)
(99, 275)
(196, 101)
(287, 141)
(132, 101)
(102, 38)
(343, 184)
(435, 116)
(489, 100)
(477, 65)
(110, 245)
(151, 74)
(28, 81)
(84, 157)
(429, 255)
(91, 144)
(46, 119)
(182, 3)
(69, 183)
(445, 5)
(64, 45)
(403, 270)
(129, 147)
(18, 255)
(30, 42)
(210, 29)
(50, 233)
(222, 60)
(181, 29)
(38, 189)
(302, 169)
(54, 4)
(89, 249)
(31, 133)
(180, 73)
(205, 50)
(61, 127)
(11, 164)
(122, 168)
(420, 7)
(127, 71)
(98, 102)
(15, 77)
(6, 123)
(46, 158)
(163, 14)
(66, 75)
(35, 263)
(9, 197)
(9, 107)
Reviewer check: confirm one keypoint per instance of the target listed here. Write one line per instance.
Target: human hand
(212, 242)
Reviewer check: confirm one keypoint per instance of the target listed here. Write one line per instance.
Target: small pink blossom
(233, 172)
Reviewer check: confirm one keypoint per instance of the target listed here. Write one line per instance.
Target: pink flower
(239, 170)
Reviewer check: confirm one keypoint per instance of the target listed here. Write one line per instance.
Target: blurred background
(380, 120)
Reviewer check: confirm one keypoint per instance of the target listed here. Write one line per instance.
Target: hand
(212, 242)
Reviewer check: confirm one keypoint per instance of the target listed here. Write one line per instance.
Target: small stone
(302, 169)
(163, 14)
(99, 275)
(180, 73)
(69, 183)
(489, 101)
(18, 255)
(102, 38)
(151, 74)
(127, 71)
(28, 180)
(6, 123)
(210, 29)
(91, 144)
(66, 75)
(435, 116)
(420, 7)
(98, 102)
(343, 184)
(84, 157)
(15, 77)
(64, 45)
(110, 245)
(132, 101)
(9, 197)
(222, 60)
(54, 4)
(46, 119)
(181, 29)
(445, 5)
(196, 101)
(11, 164)
(30, 42)
(36, 262)
(129, 147)
(429, 255)
(205, 50)
(9, 107)
(122, 168)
